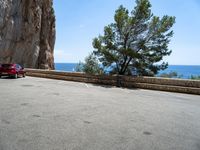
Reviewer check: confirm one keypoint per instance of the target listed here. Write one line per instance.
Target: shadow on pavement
(111, 86)
(7, 77)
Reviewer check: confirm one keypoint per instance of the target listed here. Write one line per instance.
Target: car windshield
(6, 65)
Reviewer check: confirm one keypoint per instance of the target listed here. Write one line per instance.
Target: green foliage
(175, 75)
(195, 77)
(91, 65)
(52, 11)
(170, 75)
(135, 41)
(79, 67)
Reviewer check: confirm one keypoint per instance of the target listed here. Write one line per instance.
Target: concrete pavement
(45, 114)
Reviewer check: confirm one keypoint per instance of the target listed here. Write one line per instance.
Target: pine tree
(136, 41)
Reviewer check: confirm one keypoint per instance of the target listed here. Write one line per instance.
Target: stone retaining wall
(153, 83)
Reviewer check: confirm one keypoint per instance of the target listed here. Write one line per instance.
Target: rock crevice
(27, 33)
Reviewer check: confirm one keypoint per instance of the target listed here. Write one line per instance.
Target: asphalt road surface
(45, 114)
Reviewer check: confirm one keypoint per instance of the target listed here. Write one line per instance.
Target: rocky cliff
(27, 33)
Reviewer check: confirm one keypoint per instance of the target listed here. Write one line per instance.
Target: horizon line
(169, 64)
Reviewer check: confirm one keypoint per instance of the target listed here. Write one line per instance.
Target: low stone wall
(153, 83)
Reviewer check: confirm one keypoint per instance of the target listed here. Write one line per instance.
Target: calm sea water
(183, 71)
(65, 66)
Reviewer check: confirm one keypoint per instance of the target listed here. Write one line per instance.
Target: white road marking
(86, 85)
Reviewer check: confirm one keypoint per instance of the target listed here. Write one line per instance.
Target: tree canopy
(137, 41)
(90, 66)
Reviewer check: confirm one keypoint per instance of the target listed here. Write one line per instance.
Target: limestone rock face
(27, 33)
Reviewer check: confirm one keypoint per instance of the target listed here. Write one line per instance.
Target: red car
(12, 70)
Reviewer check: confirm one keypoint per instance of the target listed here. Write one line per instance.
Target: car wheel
(16, 76)
(24, 75)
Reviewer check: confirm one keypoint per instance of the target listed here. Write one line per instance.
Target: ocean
(183, 71)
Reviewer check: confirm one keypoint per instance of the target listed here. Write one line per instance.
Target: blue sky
(79, 21)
